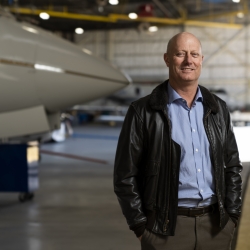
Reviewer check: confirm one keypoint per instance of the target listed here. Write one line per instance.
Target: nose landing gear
(25, 197)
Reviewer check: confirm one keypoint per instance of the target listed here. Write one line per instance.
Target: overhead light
(32, 30)
(153, 28)
(240, 14)
(236, 1)
(44, 15)
(113, 2)
(48, 68)
(132, 15)
(79, 31)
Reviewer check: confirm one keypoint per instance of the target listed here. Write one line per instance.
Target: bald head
(184, 60)
(183, 35)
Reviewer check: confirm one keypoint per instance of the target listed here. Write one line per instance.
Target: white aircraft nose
(40, 69)
(66, 76)
(40, 72)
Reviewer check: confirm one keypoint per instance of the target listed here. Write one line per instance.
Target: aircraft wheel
(25, 197)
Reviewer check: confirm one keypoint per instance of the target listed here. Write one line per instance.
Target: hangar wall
(140, 54)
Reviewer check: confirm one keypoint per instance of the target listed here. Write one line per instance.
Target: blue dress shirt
(196, 182)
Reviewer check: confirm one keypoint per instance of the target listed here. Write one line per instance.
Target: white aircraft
(41, 74)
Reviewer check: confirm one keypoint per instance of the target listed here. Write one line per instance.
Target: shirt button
(201, 190)
(199, 170)
(193, 130)
(196, 149)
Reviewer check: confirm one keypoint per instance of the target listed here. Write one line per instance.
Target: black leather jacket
(146, 174)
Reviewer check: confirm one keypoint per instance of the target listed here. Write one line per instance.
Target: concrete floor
(75, 207)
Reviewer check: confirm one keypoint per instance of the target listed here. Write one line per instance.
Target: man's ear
(166, 59)
(202, 59)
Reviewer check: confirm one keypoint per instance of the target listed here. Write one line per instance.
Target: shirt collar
(173, 95)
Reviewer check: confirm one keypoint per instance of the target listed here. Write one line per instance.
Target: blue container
(18, 168)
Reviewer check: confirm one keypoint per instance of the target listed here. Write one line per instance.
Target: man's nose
(188, 58)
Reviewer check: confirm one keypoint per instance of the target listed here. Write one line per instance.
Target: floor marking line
(92, 136)
(76, 157)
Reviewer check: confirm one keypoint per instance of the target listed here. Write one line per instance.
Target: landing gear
(25, 197)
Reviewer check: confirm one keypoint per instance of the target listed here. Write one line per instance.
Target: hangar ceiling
(66, 15)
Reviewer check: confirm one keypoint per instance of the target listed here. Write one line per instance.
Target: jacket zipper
(166, 221)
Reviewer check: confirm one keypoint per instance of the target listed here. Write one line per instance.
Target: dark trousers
(193, 233)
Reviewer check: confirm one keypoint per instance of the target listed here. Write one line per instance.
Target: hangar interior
(74, 207)
(221, 25)
(140, 54)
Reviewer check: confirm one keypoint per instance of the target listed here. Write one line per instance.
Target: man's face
(184, 59)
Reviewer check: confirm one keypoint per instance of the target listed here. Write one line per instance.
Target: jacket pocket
(150, 183)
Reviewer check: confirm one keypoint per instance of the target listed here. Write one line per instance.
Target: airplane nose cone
(40, 69)
(66, 76)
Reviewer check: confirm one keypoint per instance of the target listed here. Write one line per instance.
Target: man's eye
(195, 54)
(180, 54)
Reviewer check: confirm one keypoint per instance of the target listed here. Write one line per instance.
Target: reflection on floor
(75, 207)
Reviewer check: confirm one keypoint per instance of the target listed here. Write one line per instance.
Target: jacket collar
(159, 98)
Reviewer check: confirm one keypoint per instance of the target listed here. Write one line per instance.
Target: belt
(196, 211)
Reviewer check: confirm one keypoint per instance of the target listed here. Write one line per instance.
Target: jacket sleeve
(232, 173)
(126, 170)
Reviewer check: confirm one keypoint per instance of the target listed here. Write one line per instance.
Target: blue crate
(18, 173)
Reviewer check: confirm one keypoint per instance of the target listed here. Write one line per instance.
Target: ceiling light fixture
(236, 1)
(44, 15)
(79, 31)
(240, 14)
(113, 2)
(132, 15)
(152, 28)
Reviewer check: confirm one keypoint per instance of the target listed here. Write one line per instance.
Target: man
(177, 167)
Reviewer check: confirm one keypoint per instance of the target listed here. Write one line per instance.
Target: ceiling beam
(219, 15)
(165, 11)
(113, 18)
